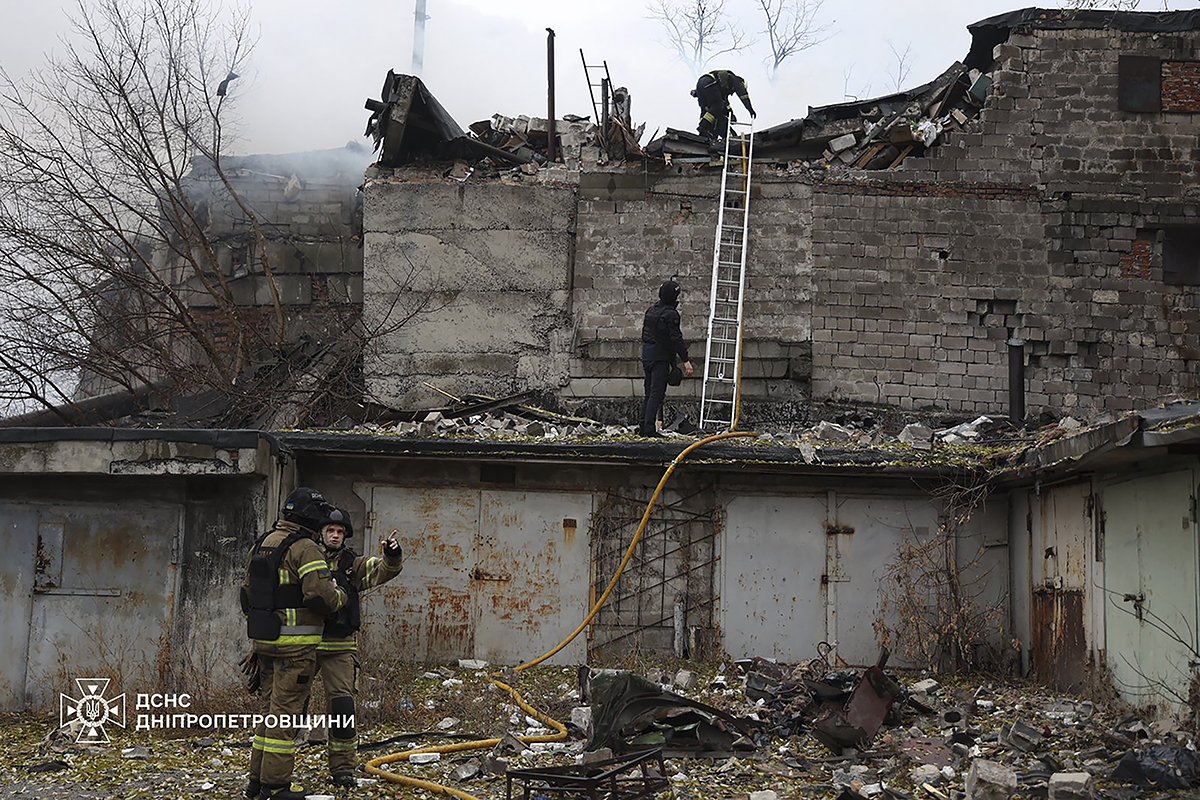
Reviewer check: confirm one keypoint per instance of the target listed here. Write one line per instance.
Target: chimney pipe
(551, 133)
(1016, 382)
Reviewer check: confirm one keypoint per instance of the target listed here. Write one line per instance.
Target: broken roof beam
(408, 122)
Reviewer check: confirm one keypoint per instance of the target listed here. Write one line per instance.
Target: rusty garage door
(101, 601)
(1063, 563)
(497, 575)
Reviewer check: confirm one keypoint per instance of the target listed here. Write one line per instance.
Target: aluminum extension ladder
(720, 400)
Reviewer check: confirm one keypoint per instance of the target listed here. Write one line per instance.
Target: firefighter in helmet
(337, 654)
(287, 597)
(712, 92)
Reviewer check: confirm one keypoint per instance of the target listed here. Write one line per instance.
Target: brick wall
(467, 286)
(1181, 86)
(635, 231)
(1042, 221)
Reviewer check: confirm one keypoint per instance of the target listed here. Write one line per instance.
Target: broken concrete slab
(929, 685)
(990, 780)
(1022, 736)
(1070, 786)
(843, 142)
(468, 770)
(832, 432)
(686, 680)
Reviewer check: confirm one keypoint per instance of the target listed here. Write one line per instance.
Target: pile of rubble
(856, 734)
(752, 728)
(410, 126)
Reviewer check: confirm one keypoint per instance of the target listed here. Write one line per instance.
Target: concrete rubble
(936, 742)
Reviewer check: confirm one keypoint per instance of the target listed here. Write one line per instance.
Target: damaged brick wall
(636, 232)
(468, 285)
(1047, 221)
(309, 212)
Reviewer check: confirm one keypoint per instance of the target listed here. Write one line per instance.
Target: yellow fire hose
(374, 766)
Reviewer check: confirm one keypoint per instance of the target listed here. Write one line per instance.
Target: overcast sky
(318, 60)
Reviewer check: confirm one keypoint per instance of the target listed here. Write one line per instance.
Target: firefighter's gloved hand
(733, 116)
(391, 546)
(753, 115)
(250, 669)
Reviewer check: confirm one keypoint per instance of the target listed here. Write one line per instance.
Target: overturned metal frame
(611, 779)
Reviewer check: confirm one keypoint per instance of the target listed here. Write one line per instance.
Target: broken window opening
(1181, 256)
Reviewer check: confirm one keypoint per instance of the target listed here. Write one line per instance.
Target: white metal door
(773, 556)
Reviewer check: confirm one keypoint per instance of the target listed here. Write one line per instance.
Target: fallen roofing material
(409, 125)
(631, 712)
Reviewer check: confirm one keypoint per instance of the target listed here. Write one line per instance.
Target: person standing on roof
(337, 654)
(288, 594)
(662, 341)
(712, 93)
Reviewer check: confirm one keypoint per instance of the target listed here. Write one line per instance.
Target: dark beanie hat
(669, 293)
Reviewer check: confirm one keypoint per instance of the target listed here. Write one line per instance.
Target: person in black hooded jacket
(662, 341)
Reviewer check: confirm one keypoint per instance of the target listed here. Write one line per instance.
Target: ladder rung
(722, 402)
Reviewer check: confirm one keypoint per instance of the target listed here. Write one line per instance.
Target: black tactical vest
(347, 620)
(264, 595)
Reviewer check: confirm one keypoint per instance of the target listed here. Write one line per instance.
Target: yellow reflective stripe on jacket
(311, 566)
(313, 638)
(338, 645)
(284, 576)
(372, 571)
(269, 745)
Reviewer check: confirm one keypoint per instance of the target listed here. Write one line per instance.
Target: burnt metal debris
(409, 126)
(855, 724)
(630, 712)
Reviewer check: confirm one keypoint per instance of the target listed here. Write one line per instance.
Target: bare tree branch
(698, 30)
(901, 66)
(791, 27)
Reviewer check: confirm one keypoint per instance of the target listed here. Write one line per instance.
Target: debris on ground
(945, 737)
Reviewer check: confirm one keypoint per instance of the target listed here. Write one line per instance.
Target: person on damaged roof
(337, 654)
(712, 93)
(662, 341)
(289, 593)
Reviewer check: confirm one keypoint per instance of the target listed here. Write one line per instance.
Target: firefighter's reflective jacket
(354, 574)
(289, 591)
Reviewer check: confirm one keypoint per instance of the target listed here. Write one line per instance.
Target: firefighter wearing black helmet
(712, 92)
(288, 594)
(337, 654)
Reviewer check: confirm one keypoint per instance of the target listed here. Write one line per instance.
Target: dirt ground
(911, 759)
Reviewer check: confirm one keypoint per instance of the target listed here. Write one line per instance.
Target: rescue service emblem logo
(92, 711)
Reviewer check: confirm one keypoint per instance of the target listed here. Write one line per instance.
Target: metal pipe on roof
(1016, 382)
(551, 134)
(418, 48)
